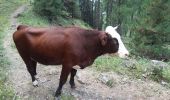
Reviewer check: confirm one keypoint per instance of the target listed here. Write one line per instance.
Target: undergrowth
(140, 68)
(6, 8)
(6, 92)
(30, 18)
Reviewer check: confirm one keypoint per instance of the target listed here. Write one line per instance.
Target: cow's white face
(122, 51)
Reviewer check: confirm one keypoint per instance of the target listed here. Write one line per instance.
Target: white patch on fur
(35, 83)
(122, 51)
(76, 67)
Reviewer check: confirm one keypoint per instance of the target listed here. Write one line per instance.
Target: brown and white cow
(69, 46)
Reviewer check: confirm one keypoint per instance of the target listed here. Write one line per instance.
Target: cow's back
(41, 44)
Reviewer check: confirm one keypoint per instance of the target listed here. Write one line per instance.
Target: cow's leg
(30, 64)
(31, 67)
(73, 73)
(63, 78)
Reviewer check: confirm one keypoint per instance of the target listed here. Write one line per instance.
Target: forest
(145, 24)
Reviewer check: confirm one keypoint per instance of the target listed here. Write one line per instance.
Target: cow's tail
(21, 27)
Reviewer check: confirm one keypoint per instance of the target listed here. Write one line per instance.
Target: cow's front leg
(63, 78)
(73, 73)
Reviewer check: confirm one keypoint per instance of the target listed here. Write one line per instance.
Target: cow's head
(122, 51)
(109, 44)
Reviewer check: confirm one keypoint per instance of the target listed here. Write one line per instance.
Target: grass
(32, 19)
(6, 93)
(140, 68)
(110, 83)
(67, 97)
(71, 21)
(6, 8)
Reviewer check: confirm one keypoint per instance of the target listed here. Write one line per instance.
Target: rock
(104, 78)
(44, 80)
(109, 98)
(85, 76)
(129, 63)
(108, 79)
(159, 63)
(80, 78)
(164, 83)
(53, 71)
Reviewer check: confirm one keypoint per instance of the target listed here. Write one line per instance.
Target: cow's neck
(97, 50)
(89, 59)
(94, 49)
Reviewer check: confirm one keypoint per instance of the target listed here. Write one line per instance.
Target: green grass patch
(67, 97)
(71, 22)
(6, 8)
(140, 68)
(30, 18)
(107, 63)
(118, 65)
(110, 83)
(6, 92)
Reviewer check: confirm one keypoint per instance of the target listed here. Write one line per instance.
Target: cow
(122, 51)
(66, 46)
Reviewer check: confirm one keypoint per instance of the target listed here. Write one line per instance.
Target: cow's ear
(103, 39)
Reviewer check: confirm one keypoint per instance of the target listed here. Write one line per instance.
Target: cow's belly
(46, 60)
(47, 55)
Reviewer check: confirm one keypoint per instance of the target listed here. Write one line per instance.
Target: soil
(88, 84)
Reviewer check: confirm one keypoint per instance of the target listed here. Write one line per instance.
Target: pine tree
(49, 9)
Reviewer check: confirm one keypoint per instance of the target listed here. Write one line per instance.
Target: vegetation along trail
(90, 84)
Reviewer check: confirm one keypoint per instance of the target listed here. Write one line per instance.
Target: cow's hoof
(35, 83)
(72, 84)
(58, 98)
(57, 93)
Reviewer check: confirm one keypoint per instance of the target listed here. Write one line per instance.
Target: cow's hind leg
(73, 73)
(63, 78)
(31, 66)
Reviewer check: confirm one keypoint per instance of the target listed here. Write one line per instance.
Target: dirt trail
(89, 87)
